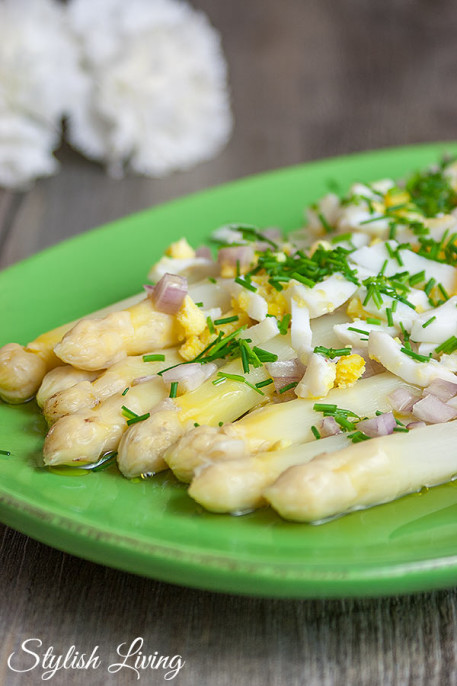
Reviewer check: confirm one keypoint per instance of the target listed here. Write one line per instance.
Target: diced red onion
(242, 255)
(284, 373)
(288, 368)
(204, 252)
(432, 410)
(261, 246)
(442, 389)
(381, 425)
(149, 288)
(329, 427)
(415, 425)
(371, 366)
(403, 399)
(189, 376)
(273, 233)
(169, 293)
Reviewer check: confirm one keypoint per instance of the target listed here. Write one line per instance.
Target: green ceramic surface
(153, 528)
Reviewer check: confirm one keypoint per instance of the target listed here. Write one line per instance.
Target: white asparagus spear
(209, 404)
(61, 379)
(276, 426)
(100, 343)
(22, 368)
(237, 485)
(84, 436)
(84, 395)
(366, 474)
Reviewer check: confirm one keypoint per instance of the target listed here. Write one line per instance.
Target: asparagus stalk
(366, 474)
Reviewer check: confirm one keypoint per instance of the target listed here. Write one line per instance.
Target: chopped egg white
(318, 379)
(388, 352)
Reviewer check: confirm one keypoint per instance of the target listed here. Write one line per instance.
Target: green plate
(152, 527)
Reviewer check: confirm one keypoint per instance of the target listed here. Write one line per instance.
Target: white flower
(156, 98)
(38, 78)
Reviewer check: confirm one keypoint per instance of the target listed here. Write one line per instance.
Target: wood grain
(309, 78)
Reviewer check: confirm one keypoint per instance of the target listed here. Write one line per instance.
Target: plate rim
(389, 579)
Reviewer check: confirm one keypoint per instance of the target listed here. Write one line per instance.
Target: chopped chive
(415, 356)
(448, 346)
(265, 355)
(222, 376)
(5, 452)
(315, 432)
(358, 437)
(221, 424)
(212, 279)
(373, 219)
(261, 384)
(245, 284)
(401, 429)
(232, 377)
(210, 325)
(283, 325)
(417, 278)
(173, 366)
(394, 305)
(324, 223)
(390, 319)
(288, 387)
(341, 238)
(373, 320)
(199, 304)
(254, 388)
(428, 322)
(153, 358)
(331, 353)
(140, 418)
(428, 286)
(238, 270)
(390, 250)
(364, 333)
(244, 359)
(196, 424)
(383, 268)
(173, 389)
(226, 320)
(218, 381)
(106, 461)
(443, 291)
(303, 279)
(128, 413)
(324, 407)
(125, 391)
(344, 422)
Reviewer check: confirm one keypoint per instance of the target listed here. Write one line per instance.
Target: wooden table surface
(309, 78)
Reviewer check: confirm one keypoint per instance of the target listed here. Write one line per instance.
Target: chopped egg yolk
(394, 197)
(277, 304)
(195, 344)
(181, 250)
(355, 309)
(348, 370)
(190, 318)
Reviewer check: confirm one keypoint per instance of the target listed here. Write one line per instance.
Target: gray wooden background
(309, 78)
